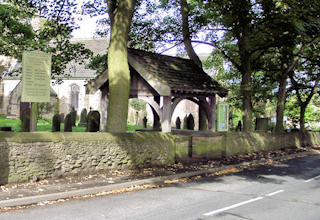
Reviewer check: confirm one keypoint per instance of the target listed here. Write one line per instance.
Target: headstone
(190, 122)
(145, 120)
(185, 122)
(25, 120)
(178, 123)
(68, 123)
(56, 123)
(93, 121)
(6, 128)
(262, 124)
(83, 118)
(73, 116)
(239, 126)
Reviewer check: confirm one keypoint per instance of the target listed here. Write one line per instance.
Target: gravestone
(145, 120)
(190, 122)
(73, 116)
(6, 128)
(25, 120)
(262, 124)
(185, 122)
(83, 118)
(239, 126)
(93, 121)
(56, 123)
(178, 123)
(68, 123)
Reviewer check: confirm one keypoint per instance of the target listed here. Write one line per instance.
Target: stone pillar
(212, 120)
(104, 101)
(166, 114)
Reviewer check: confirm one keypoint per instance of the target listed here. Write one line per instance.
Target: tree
(184, 9)
(120, 14)
(54, 22)
(305, 80)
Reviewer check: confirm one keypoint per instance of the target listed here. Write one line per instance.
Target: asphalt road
(289, 190)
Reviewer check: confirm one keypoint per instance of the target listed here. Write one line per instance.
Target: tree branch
(171, 47)
(221, 51)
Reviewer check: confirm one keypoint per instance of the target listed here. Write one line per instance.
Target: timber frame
(163, 82)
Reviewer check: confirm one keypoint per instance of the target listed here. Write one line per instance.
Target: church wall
(63, 92)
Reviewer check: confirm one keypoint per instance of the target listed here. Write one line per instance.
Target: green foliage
(52, 32)
(44, 108)
(312, 115)
(137, 104)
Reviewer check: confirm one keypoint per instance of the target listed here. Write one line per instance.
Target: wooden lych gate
(164, 81)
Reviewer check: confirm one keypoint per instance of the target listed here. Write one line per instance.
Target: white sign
(36, 75)
(223, 116)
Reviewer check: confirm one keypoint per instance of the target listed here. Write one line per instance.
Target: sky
(88, 26)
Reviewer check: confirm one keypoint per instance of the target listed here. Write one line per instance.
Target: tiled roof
(167, 73)
(178, 73)
(97, 46)
(75, 70)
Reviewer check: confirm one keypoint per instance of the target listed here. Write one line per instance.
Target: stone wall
(211, 146)
(41, 154)
(44, 154)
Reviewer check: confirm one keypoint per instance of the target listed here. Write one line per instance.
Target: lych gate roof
(181, 75)
(167, 75)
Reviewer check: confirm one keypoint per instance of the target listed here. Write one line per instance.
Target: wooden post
(213, 126)
(33, 117)
(166, 114)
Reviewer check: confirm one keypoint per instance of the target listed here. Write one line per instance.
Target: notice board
(36, 75)
(223, 116)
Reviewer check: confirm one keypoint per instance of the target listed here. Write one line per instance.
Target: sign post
(223, 116)
(36, 75)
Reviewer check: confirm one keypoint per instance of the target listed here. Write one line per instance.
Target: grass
(46, 125)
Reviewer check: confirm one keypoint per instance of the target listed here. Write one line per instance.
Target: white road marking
(309, 180)
(242, 203)
(274, 193)
(232, 206)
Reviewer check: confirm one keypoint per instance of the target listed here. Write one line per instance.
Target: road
(288, 190)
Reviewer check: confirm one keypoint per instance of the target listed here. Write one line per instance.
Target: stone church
(68, 93)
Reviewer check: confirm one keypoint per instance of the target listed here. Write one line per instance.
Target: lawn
(46, 125)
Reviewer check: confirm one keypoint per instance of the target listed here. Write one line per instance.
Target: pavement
(15, 196)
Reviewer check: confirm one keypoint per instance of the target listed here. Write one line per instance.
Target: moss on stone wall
(41, 154)
(230, 144)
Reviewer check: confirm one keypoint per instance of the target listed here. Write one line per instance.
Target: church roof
(73, 70)
(167, 75)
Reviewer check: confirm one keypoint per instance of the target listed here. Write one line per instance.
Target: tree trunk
(302, 117)
(246, 102)
(186, 33)
(245, 88)
(118, 68)
(203, 121)
(281, 103)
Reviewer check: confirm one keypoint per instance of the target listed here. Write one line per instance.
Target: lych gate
(163, 81)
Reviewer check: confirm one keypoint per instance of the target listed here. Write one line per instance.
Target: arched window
(74, 96)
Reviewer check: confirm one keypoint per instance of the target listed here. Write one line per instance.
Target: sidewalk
(29, 193)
